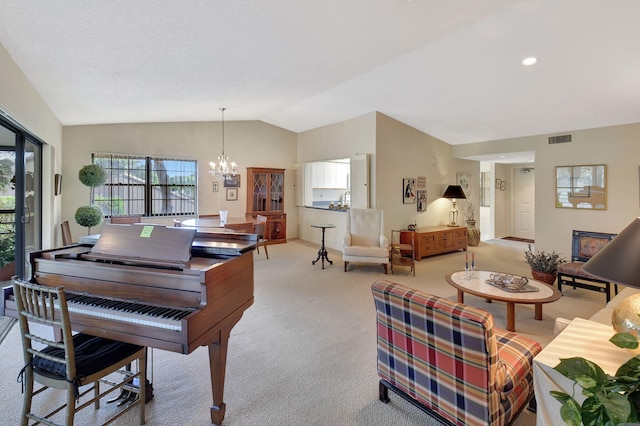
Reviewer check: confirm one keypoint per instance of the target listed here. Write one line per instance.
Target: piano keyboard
(131, 312)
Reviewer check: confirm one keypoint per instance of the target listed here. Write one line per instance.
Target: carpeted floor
(5, 325)
(305, 352)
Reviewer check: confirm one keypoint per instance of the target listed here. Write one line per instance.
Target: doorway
(524, 202)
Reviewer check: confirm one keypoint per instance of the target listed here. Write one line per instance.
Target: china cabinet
(265, 196)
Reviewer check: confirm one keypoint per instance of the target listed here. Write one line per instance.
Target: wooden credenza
(436, 240)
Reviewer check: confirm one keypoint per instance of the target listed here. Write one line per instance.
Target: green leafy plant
(610, 400)
(88, 216)
(543, 261)
(92, 175)
(7, 248)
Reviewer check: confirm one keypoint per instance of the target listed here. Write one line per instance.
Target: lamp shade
(618, 261)
(454, 191)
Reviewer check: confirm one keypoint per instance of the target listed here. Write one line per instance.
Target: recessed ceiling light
(527, 62)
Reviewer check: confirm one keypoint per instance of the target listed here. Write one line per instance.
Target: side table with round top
(322, 253)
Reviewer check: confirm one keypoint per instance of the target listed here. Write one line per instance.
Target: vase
(545, 277)
(473, 236)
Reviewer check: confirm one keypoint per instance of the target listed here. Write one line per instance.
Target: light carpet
(305, 352)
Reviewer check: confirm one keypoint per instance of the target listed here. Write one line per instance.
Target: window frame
(172, 189)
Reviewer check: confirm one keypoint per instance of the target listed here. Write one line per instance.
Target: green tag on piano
(146, 231)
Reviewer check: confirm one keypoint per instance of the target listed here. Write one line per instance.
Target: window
(485, 189)
(148, 186)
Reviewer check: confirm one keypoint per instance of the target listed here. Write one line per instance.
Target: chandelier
(224, 169)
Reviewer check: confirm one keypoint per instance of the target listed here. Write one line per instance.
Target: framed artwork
(498, 183)
(464, 180)
(503, 185)
(215, 186)
(408, 191)
(232, 182)
(58, 183)
(422, 200)
(581, 187)
(422, 182)
(232, 194)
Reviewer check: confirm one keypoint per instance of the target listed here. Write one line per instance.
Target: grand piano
(168, 288)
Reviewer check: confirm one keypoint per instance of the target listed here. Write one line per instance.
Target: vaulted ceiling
(449, 68)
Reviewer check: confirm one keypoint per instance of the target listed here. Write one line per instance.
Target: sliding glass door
(20, 200)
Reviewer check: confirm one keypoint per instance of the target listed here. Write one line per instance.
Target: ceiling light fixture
(527, 62)
(225, 169)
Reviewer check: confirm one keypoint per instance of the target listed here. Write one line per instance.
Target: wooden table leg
(460, 296)
(539, 311)
(511, 316)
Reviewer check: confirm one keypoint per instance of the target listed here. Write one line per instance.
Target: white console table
(583, 338)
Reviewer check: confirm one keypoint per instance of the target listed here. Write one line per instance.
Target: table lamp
(454, 192)
(617, 262)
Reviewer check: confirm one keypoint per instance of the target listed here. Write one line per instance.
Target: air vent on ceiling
(560, 139)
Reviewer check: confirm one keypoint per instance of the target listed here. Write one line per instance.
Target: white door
(525, 207)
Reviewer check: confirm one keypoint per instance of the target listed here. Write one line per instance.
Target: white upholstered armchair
(365, 241)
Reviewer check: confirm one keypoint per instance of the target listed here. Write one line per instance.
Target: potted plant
(470, 212)
(91, 175)
(7, 256)
(543, 264)
(610, 400)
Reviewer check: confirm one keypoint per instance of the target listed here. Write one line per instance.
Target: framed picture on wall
(408, 191)
(422, 200)
(581, 187)
(464, 180)
(503, 185)
(498, 183)
(215, 186)
(232, 182)
(232, 194)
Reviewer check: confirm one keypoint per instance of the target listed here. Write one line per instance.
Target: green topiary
(88, 216)
(92, 175)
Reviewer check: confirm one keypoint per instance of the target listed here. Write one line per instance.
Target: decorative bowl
(508, 281)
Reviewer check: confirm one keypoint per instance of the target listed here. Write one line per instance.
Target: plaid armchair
(448, 359)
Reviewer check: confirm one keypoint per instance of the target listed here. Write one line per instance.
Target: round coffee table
(477, 286)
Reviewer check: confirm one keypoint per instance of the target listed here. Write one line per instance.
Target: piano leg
(217, 366)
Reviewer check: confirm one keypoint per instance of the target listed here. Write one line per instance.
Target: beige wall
(615, 146)
(397, 151)
(249, 143)
(404, 152)
(339, 140)
(22, 103)
(502, 210)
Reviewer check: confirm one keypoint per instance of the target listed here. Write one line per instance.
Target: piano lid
(144, 242)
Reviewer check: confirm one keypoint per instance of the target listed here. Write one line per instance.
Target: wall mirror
(581, 187)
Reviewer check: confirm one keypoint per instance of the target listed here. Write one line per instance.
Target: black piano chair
(76, 361)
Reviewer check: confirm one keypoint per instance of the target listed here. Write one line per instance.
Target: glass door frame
(24, 215)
